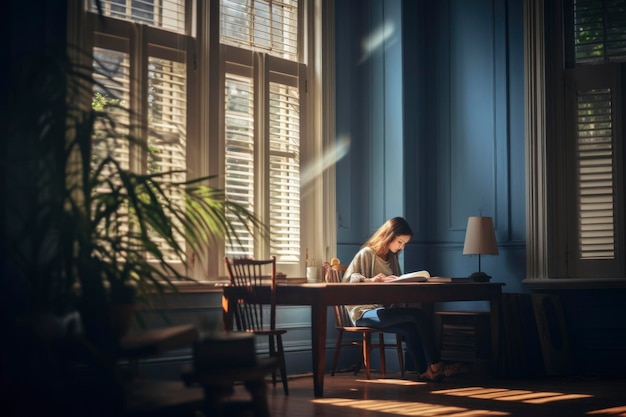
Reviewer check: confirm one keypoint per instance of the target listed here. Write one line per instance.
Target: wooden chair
(335, 273)
(253, 317)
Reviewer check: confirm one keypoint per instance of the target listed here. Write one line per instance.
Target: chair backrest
(250, 274)
(334, 274)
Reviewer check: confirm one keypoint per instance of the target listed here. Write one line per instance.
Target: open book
(420, 276)
(417, 276)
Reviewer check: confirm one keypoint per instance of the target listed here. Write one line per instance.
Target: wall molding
(535, 126)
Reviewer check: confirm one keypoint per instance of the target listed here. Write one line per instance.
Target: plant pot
(122, 309)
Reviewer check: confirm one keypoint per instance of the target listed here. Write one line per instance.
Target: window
(594, 174)
(599, 31)
(161, 58)
(593, 137)
(264, 25)
(593, 128)
(575, 146)
(263, 141)
(165, 14)
(263, 90)
(144, 70)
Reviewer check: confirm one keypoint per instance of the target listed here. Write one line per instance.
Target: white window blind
(164, 14)
(263, 25)
(143, 85)
(263, 123)
(284, 130)
(244, 175)
(245, 146)
(595, 177)
(594, 155)
(111, 94)
(240, 156)
(167, 124)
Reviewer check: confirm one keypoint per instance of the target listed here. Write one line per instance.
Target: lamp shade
(480, 237)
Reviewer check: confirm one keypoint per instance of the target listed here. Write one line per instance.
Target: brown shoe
(434, 373)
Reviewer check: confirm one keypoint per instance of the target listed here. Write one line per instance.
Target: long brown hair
(380, 240)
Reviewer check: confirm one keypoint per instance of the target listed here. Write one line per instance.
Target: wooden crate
(465, 336)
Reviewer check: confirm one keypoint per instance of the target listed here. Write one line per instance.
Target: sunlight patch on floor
(502, 394)
(402, 382)
(613, 411)
(403, 408)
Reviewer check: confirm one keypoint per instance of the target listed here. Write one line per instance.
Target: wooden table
(321, 295)
(156, 341)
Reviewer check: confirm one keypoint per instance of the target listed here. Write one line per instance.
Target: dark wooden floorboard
(460, 395)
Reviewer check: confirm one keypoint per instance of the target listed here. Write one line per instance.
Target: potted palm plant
(83, 232)
(79, 234)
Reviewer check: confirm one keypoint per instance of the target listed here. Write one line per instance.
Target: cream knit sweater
(364, 266)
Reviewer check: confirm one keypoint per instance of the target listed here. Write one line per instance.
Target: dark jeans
(413, 325)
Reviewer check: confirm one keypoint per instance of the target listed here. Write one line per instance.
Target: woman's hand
(383, 278)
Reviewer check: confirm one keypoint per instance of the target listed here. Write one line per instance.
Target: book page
(417, 276)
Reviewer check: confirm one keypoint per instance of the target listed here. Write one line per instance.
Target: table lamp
(480, 239)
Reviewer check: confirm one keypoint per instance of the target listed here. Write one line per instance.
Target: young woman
(377, 261)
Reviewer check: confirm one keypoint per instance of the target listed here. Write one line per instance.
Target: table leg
(494, 305)
(228, 307)
(318, 341)
(258, 392)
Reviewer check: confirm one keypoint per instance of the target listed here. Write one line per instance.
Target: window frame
(594, 77)
(261, 63)
(546, 245)
(205, 150)
(263, 70)
(141, 43)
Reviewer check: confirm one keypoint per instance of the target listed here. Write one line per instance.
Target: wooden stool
(219, 384)
(465, 336)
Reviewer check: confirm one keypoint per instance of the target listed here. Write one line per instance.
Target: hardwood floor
(461, 395)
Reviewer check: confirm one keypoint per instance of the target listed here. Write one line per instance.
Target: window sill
(216, 286)
(200, 286)
(574, 283)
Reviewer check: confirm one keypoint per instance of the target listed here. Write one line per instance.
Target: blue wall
(435, 116)
(430, 95)
(444, 140)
